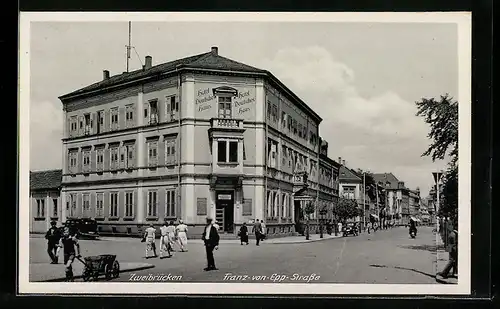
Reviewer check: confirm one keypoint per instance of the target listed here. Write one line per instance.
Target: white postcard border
(462, 19)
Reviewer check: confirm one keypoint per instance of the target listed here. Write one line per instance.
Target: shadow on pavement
(404, 268)
(431, 248)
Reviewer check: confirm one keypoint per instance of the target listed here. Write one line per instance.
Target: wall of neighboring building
(45, 206)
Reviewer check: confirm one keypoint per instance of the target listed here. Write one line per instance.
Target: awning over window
(303, 198)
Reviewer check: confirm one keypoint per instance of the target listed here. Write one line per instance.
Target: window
(171, 108)
(152, 204)
(233, 152)
(275, 113)
(221, 151)
(294, 126)
(99, 206)
(272, 153)
(269, 109)
(88, 124)
(40, 208)
(225, 107)
(153, 114)
(348, 192)
(86, 205)
(170, 204)
(130, 155)
(113, 204)
(170, 154)
(72, 210)
(114, 118)
(283, 155)
(113, 152)
(129, 204)
(86, 160)
(73, 123)
(283, 119)
(227, 151)
(289, 123)
(153, 153)
(55, 211)
(129, 116)
(283, 206)
(100, 159)
(72, 160)
(300, 129)
(100, 121)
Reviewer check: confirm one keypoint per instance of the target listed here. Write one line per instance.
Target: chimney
(149, 62)
(105, 74)
(343, 162)
(215, 50)
(340, 160)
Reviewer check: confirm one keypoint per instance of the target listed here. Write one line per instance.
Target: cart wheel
(86, 274)
(116, 269)
(96, 275)
(108, 272)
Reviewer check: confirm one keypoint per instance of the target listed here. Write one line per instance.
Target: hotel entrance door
(224, 211)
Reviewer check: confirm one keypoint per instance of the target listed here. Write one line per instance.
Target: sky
(362, 78)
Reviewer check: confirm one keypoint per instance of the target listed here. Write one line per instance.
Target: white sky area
(361, 78)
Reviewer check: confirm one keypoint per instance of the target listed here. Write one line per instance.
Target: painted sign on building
(239, 106)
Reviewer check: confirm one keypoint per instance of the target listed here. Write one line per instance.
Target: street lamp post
(364, 201)
(437, 178)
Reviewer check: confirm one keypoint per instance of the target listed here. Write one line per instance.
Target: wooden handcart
(95, 266)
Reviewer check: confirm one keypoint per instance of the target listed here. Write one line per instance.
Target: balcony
(226, 127)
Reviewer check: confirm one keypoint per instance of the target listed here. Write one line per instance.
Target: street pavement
(386, 257)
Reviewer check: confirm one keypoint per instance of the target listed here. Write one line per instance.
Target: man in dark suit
(211, 238)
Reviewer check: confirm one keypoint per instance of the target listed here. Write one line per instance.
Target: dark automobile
(350, 229)
(85, 227)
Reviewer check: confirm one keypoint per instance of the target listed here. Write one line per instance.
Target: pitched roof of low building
(45, 180)
(348, 175)
(389, 181)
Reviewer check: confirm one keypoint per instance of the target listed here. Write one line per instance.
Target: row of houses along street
(202, 136)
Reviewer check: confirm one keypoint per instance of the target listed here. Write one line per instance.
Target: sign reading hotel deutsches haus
(243, 105)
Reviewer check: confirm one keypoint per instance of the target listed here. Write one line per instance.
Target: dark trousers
(452, 264)
(210, 255)
(52, 250)
(257, 237)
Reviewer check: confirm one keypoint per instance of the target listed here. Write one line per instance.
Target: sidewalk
(56, 273)
(442, 260)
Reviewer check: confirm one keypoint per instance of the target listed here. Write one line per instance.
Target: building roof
(389, 178)
(205, 61)
(44, 180)
(348, 175)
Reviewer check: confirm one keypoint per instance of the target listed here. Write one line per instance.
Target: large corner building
(196, 137)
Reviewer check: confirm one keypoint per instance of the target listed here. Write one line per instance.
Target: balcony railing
(227, 123)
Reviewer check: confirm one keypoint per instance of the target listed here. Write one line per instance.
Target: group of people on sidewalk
(259, 229)
(171, 236)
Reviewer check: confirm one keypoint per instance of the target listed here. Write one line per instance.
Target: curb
(300, 242)
(62, 279)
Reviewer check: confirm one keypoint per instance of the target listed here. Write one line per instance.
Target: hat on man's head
(209, 219)
(53, 223)
(180, 221)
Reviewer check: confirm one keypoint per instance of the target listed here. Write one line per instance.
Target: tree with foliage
(346, 209)
(308, 210)
(442, 117)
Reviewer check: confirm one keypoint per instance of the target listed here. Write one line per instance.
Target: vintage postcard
(243, 153)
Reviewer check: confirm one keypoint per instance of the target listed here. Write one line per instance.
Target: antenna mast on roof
(129, 43)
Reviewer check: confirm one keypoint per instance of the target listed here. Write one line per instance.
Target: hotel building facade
(196, 137)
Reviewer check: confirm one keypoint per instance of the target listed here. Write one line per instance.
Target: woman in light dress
(182, 235)
(150, 235)
(171, 235)
(164, 243)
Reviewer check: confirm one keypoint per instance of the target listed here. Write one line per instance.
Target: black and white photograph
(273, 153)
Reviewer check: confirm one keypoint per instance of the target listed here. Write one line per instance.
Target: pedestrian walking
(452, 248)
(181, 231)
(53, 236)
(210, 237)
(71, 249)
(257, 229)
(164, 242)
(171, 236)
(264, 230)
(243, 233)
(150, 238)
(339, 226)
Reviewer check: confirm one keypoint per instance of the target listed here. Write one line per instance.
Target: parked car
(350, 229)
(85, 227)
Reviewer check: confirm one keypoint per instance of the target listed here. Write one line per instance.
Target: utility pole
(129, 43)
(364, 200)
